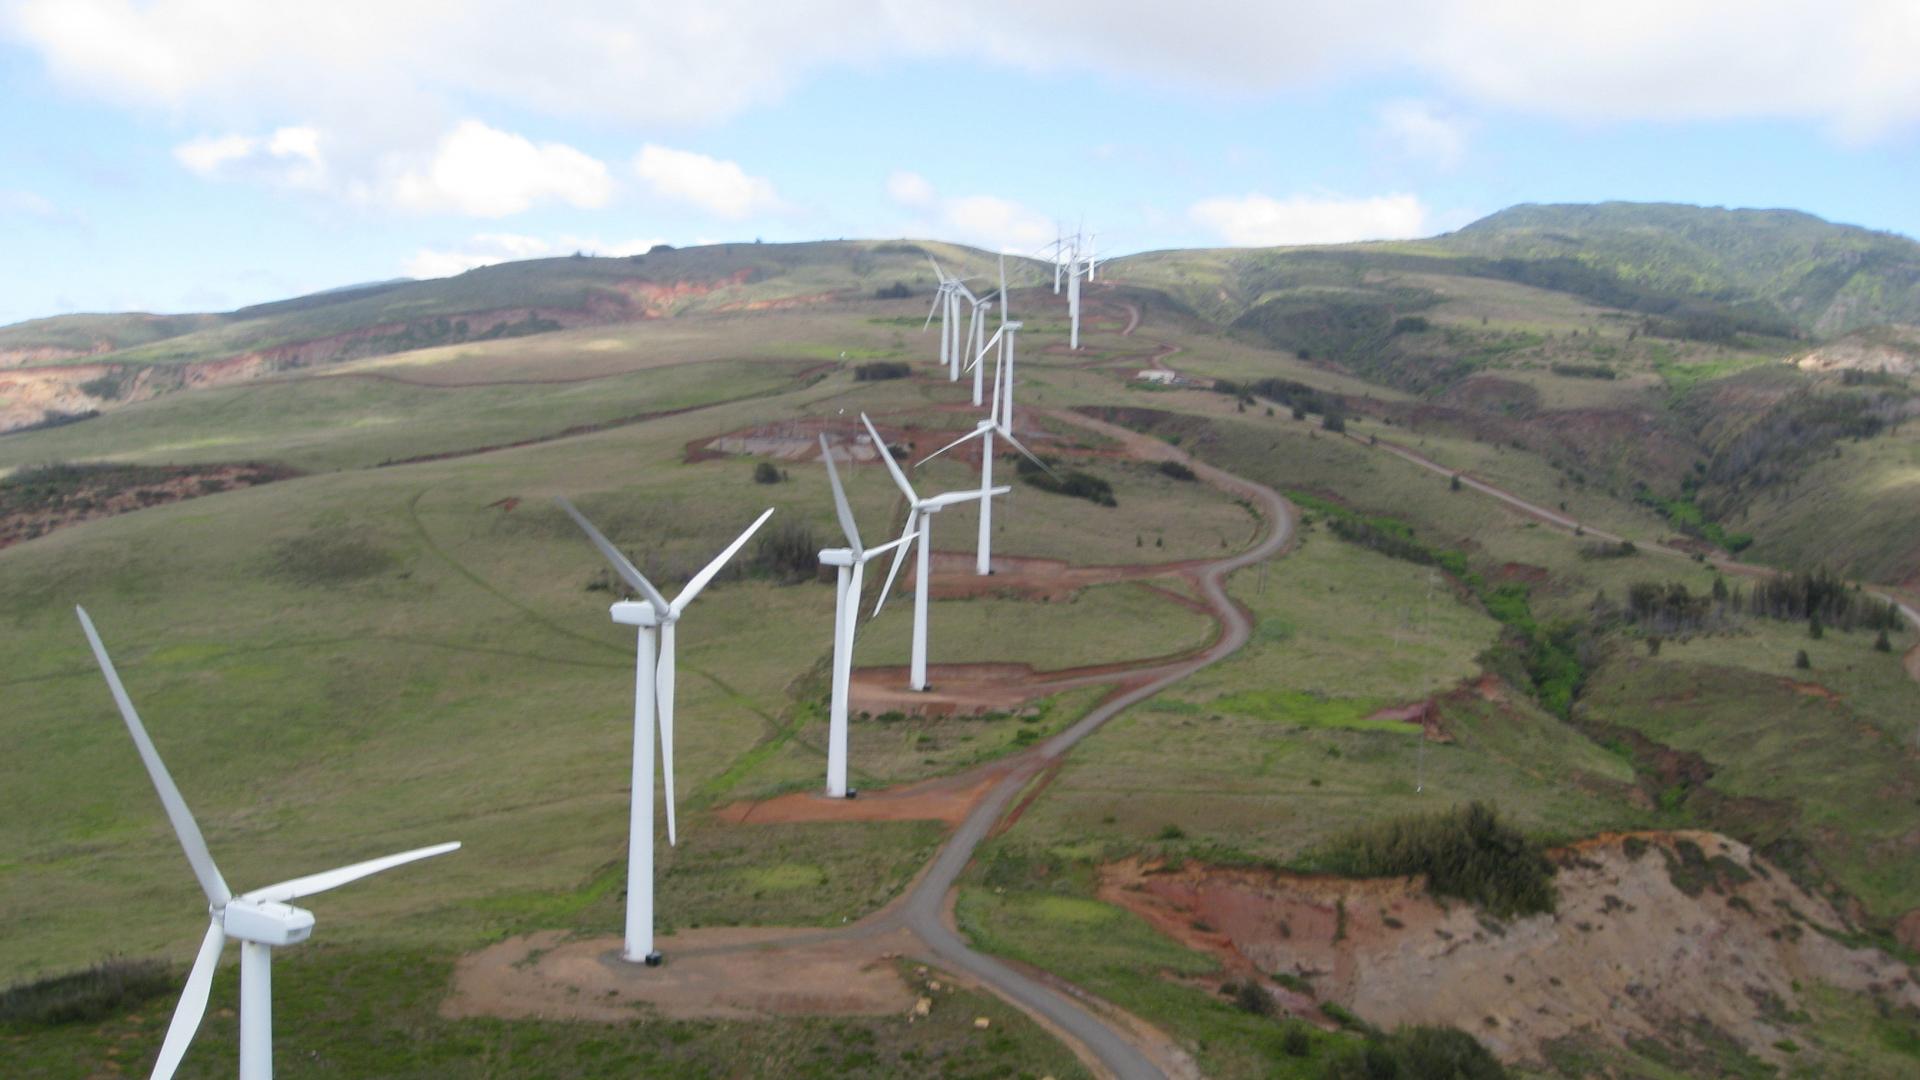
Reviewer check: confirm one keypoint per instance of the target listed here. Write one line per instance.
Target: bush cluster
(1466, 852)
(106, 989)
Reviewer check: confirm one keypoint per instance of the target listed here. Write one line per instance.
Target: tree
(1881, 644)
(1800, 660)
(1814, 629)
(766, 473)
(1455, 484)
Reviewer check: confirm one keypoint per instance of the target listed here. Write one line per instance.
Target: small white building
(1164, 378)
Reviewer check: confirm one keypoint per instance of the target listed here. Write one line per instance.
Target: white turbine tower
(919, 523)
(850, 563)
(997, 422)
(653, 681)
(260, 920)
(943, 306)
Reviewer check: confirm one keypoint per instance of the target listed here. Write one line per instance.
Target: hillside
(1828, 278)
(1375, 539)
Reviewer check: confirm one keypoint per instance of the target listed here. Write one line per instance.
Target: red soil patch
(114, 492)
(1810, 689)
(506, 505)
(1424, 713)
(1514, 571)
(1627, 955)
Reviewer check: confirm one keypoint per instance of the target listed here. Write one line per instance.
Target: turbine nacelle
(636, 613)
(265, 922)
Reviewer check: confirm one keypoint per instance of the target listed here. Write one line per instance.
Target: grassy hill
(1827, 278)
(400, 640)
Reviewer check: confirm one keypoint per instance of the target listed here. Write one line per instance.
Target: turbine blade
(886, 455)
(840, 507)
(193, 1004)
(1017, 445)
(706, 573)
(951, 445)
(853, 611)
(937, 294)
(184, 826)
(873, 553)
(663, 689)
(333, 879)
(621, 564)
(899, 556)
(1003, 289)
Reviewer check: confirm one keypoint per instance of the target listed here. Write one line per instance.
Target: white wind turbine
(260, 920)
(998, 422)
(653, 680)
(919, 523)
(850, 562)
(1003, 363)
(946, 303)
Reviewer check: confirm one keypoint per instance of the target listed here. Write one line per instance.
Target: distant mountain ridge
(1828, 279)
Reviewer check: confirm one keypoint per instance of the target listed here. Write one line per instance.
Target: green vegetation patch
(1465, 852)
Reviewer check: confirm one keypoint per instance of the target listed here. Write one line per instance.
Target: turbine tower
(984, 430)
(260, 920)
(850, 563)
(919, 523)
(944, 307)
(656, 621)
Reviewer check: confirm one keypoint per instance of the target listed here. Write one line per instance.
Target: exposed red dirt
(109, 494)
(1626, 944)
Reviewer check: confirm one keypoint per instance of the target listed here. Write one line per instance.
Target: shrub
(1295, 1042)
(788, 551)
(1454, 484)
(896, 291)
(1250, 997)
(103, 990)
(1416, 1053)
(1465, 852)
(1075, 483)
(1800, 660)
(766, 472)
(1176, 470)
(880, 370)
(1881, 644)
(1172, 832)
(1333, 422)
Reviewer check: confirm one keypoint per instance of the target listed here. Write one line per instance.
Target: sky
(200, 155)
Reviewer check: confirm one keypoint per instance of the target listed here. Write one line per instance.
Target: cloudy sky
(173, 155)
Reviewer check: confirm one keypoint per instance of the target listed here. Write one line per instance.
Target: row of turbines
(262, 919)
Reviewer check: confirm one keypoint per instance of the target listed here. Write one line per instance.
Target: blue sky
(173, 155)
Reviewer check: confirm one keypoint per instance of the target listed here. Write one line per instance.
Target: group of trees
(1819, 598)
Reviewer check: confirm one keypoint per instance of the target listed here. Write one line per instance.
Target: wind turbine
(850, 562)
(260, 920)
(999, 423)
(656, 620)
(919, 523)
(943, 305)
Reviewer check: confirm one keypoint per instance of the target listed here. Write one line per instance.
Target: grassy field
(367, 659)
(361, 1012)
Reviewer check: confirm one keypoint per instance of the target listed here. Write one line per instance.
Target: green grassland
(357, 1012)
(366, 659)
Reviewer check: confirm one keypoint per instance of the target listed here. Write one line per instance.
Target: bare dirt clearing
(715, 974)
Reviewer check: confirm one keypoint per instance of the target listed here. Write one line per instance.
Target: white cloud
(1261, 221)
(485, 172)
(27, 204)
(985, 220)
(1422, 131)
(486, 249)
(721, 188)
(909, 189)
(1844, 63)
(289, 156)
